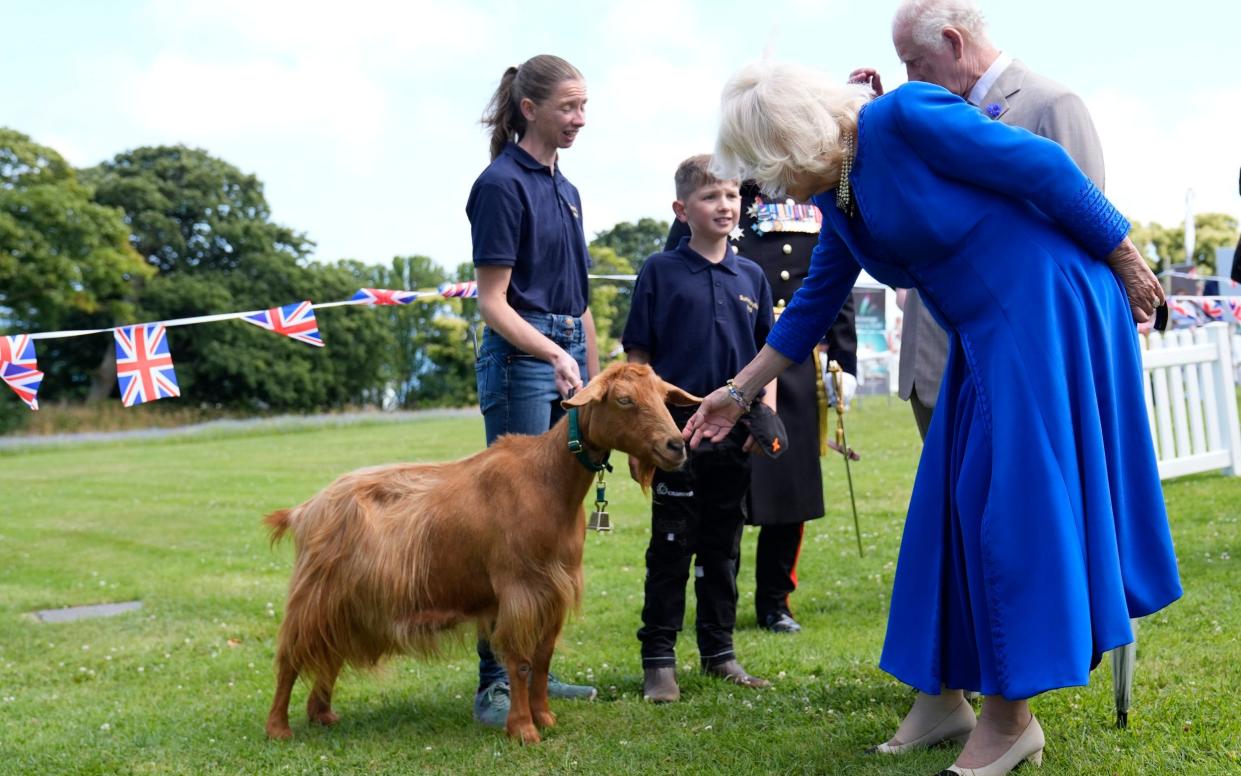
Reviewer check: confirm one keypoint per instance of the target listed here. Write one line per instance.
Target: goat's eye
(624, 401)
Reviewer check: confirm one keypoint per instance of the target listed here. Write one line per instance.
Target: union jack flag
(144, 364)
(383, 296)
(1182, 312)
(20, 369)
(1212, 309)
(1236, 309)
(295, 320)
(466, 289)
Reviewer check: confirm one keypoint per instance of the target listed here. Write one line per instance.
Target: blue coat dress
(1037, 525)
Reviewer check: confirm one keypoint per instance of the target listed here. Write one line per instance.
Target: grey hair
(778, 120)
(928, 18)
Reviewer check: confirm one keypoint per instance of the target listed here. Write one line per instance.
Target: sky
(362, 117)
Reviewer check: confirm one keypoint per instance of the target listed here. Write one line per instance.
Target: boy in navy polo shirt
(699, 314)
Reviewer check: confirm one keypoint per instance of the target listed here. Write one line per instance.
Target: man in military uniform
(786, 492)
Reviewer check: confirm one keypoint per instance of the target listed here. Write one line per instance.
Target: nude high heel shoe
(956, 726)
(1028, 746)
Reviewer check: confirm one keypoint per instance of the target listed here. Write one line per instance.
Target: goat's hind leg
(319, 705)
(278, 717)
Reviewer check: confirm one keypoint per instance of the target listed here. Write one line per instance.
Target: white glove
(848, 386)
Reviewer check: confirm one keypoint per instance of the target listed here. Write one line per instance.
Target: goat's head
(624, 408)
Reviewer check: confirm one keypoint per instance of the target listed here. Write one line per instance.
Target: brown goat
(389, 557)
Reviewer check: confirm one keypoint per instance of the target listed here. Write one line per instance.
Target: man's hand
(867, 75)
(1143, 288)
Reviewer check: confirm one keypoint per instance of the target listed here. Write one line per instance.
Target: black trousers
(775, 568)
(696, 514)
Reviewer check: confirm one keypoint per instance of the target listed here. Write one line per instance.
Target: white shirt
(989, 78)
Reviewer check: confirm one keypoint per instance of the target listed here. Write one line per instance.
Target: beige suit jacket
(1046, 108)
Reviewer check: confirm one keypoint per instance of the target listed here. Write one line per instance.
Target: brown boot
(732, 671)
(659, 685)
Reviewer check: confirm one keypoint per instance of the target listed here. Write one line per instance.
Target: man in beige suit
(945, 42)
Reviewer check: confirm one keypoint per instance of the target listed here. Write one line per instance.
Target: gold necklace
(844, 197)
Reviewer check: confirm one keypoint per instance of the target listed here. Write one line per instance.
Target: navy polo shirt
(525, 216)
(700, 322)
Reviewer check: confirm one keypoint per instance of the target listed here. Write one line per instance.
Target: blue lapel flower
(994, 110)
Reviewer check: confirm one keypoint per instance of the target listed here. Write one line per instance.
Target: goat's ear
(679, 398)
(593, 391)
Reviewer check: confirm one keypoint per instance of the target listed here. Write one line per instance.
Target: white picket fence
(1190, 378)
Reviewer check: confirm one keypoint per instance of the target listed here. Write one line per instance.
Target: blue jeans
(517, 395)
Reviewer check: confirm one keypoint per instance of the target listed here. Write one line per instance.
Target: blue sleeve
(495, 224)
(957, 141)
(810, 313)
(638, 327)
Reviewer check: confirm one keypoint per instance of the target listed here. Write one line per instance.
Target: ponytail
(536, 79)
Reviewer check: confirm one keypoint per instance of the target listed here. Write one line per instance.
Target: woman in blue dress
(1037, 526)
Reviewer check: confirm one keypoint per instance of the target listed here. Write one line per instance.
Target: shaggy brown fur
(391, 556)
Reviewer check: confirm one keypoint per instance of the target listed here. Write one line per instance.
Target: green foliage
(183, 687)
(206, 227)
(629, 243)
(192, 212)
(65, 260)
(633, 241)
(432, 361)
(609, 301)
(1211, 231)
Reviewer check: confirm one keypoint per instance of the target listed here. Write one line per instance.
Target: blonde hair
(694, 173)
(780, 120)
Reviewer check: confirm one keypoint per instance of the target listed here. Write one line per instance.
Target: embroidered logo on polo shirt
(662, 489)
(750, 304)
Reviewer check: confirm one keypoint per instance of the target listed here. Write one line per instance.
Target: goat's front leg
(540, 711)
(519, 724)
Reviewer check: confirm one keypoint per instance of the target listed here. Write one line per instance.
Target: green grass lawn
(183, 686)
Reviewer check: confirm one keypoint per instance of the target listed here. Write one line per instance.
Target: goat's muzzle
(670, 456)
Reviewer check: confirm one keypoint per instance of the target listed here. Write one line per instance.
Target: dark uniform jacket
(779, 237)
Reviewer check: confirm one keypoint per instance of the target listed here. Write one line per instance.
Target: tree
(207, 228)
(1211, 231)
(630, 243)
(65, 260)
(634, 241)
(609, 300)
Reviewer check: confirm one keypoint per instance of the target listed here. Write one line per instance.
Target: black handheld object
(767, 429)
(1161, 317)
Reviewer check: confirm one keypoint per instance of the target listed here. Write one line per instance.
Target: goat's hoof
(279, 732)
(544, 719)
(526, 734)
(326, 717)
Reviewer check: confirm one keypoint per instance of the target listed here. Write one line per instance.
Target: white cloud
(1155, 151)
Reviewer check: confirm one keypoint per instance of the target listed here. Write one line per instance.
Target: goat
(389, 557)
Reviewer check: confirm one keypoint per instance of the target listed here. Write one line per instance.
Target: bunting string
(144, 367)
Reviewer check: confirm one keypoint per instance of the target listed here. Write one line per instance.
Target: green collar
(579, 450)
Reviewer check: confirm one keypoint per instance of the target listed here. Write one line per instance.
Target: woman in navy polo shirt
(530, 261)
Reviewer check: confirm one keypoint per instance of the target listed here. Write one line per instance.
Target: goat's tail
(278, 524)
